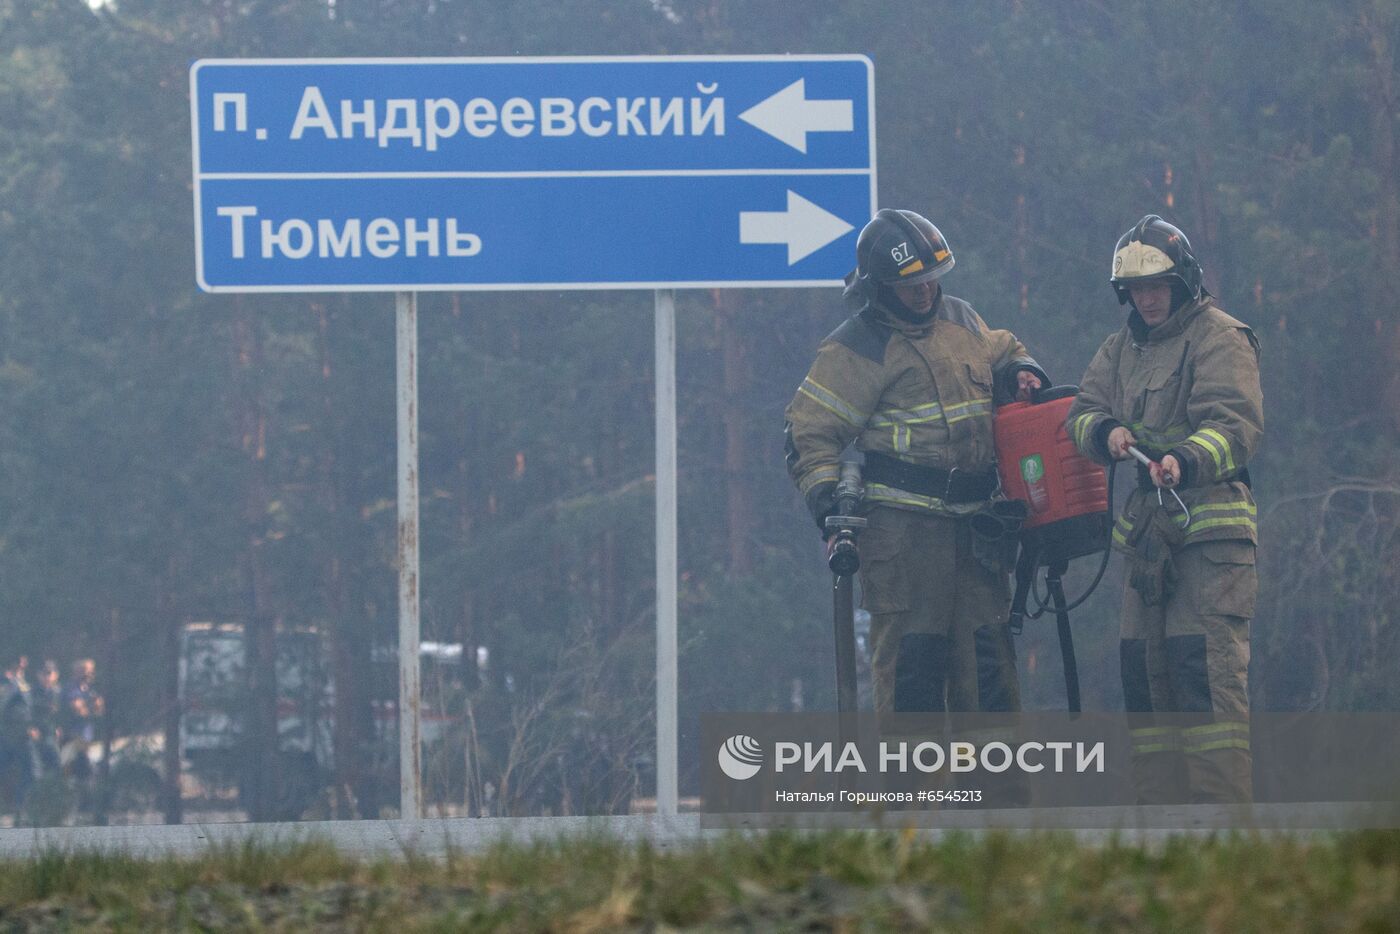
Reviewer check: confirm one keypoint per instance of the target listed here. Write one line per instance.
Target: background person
(83, 706)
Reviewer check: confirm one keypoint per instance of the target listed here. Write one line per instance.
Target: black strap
(1071, 666)
(1027, 563)
(951, 486)
(1026, 566)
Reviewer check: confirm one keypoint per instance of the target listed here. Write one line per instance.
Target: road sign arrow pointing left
(789, 116)
(804, 227)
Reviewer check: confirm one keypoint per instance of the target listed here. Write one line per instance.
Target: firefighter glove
(821, 502)
(1153, 572)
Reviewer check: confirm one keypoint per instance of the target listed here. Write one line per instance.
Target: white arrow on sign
(789, 116)
(804, 227)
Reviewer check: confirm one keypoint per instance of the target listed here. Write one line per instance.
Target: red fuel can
(1038, 463)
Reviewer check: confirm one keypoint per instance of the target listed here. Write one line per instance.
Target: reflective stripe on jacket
(1189, 387)
(922, 394)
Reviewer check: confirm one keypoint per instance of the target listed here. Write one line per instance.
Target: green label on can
(1032, 469)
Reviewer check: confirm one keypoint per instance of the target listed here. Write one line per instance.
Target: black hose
(1071, 666)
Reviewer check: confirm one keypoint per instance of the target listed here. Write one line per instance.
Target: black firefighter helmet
(1154, 250)
(897, 248)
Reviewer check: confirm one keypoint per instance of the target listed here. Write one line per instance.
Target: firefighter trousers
(938, 629)
(938, 617)
(1185, 669)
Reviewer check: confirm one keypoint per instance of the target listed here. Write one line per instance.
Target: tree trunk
(168, 625)
(260, 637)
(1206, 238)
(342, 637)
(737, 483)
(104, 769)
(1386, 234)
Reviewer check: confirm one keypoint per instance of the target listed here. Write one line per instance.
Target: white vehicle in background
(215, 709)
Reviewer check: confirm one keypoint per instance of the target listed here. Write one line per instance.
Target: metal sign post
(410, 698)
(667, 787)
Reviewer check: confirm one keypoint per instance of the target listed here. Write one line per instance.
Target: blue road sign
(563, 173)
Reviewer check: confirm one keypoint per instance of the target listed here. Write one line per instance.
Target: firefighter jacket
(919, 393)
(1188, 387)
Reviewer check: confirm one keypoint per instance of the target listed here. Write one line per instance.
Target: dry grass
(848, 881)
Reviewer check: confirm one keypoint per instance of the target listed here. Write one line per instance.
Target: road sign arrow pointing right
(804, 227)
(789, 116)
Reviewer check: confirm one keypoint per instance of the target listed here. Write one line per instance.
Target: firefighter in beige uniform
(911, 379)
(1180, 381)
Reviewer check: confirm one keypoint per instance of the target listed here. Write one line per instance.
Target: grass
(780, 881)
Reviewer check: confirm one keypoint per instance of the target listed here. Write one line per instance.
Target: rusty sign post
(410, 702)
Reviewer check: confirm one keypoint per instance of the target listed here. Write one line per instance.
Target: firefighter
(911, 379)
(1180, 381)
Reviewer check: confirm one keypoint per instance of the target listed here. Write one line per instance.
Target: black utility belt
(1144, 478)
(951, 486)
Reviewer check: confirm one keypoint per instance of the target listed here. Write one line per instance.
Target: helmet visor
(923, 273)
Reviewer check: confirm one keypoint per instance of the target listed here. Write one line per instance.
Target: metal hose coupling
(844, 526)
